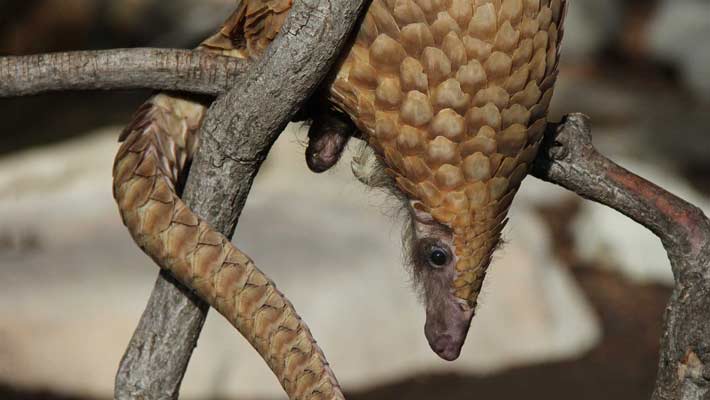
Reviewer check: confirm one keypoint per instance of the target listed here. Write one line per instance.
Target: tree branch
(235, 138)
(569, 159)
(237, 135)
(161, 69)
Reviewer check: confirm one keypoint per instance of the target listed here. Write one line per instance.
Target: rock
(679, 36)
(53, 25)
(170, 23)
(603, 100)
(590, 25)
(70, 301)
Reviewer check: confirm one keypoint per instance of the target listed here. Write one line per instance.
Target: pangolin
(451, 95)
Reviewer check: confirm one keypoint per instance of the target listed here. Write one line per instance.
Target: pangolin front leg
(328, 136)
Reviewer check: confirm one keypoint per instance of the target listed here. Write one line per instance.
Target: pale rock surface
(679, 35)
(73, 285)
(590, 25)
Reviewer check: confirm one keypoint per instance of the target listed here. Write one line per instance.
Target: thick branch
(569, 159)
(163, 69)
(237, 133)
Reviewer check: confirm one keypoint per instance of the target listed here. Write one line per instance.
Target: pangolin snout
(446, 328)
(447, 347)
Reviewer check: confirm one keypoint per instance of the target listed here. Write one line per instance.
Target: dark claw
(327, 138)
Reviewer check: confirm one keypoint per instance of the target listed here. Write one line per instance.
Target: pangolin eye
(438, 257)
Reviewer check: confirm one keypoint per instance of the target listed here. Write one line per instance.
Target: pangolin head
(452, 95)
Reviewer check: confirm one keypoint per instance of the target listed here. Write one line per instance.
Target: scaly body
(452, 96)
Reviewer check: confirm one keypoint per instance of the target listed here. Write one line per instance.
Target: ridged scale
(454, 94)
(156, 147)
(451, 93)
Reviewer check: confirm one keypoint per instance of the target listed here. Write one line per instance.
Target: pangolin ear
(419, 212)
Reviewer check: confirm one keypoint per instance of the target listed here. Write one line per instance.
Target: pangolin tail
(156, 147)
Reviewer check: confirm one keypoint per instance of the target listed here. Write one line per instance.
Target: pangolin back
(453, 95)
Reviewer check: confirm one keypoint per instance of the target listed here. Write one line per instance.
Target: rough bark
(157, 356)
(161, 69)
(237, 134)
(569, 159)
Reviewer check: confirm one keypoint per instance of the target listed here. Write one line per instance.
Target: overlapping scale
(454, 94)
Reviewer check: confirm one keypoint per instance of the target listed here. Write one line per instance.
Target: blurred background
(572, 306)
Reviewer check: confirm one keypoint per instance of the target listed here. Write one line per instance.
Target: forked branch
(569, 159)
(238, 134)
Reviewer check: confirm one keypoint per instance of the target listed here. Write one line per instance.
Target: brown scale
(156, 147)
(451, 94)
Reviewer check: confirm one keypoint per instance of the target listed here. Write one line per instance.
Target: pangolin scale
(451, 94)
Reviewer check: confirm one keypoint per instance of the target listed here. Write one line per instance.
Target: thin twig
(237, 133)
(569, 159)
(161, 69)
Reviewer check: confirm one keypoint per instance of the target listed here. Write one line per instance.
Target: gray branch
(238, 132)
(161, 69)
(569, 159)
(237, 135)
